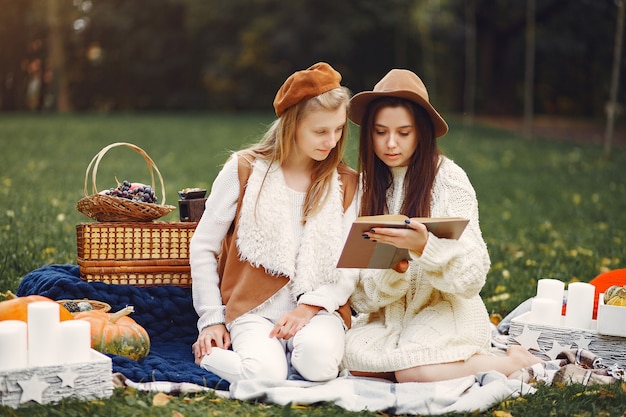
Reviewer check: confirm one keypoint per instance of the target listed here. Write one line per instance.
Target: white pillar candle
(552, 289)
(579, 310)
(43, 333)
(13, 347)
(546, 311)
(74, 341)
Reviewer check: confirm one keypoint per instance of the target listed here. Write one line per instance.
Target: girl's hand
(413, 237)
(290, 323)
(210, 336)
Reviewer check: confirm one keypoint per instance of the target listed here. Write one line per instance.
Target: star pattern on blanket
(32, 389)
(529, 339)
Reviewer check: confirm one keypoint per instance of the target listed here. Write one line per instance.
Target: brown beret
(306, 84)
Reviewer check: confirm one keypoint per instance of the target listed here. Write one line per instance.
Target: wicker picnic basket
(106, 208)
(135, 253)
(138, 273)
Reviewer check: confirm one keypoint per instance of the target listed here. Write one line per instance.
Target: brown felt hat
(306, 84)
(399, 83)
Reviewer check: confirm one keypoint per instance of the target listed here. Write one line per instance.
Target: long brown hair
(279, 142)
(421, 171)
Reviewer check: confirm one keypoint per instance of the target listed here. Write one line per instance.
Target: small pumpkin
(16, 308)
(615, 296)
(116, 333)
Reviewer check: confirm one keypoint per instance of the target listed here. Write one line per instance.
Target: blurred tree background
(120, 55)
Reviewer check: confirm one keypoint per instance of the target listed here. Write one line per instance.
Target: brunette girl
(424, 320)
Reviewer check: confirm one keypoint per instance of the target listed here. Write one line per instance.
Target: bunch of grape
(74, 307)
(133, 191)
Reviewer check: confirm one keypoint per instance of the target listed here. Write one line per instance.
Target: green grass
(565, 401)
(44, 159)
(548, 209)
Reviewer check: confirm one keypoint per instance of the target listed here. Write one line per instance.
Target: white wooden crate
(551, 340)
(611, 320)
(47, 384)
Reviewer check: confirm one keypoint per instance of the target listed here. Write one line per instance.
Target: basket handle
(95, 162)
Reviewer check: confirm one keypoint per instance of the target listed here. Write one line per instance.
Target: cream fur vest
(267, 240)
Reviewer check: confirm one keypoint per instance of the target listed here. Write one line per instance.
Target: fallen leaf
(160, 399)
(495, 318)
(511, 402)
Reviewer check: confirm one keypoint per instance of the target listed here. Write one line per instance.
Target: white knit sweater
(433, 313)
(271, 235)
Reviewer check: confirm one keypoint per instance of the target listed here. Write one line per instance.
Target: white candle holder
(88, 380)
(44, 360)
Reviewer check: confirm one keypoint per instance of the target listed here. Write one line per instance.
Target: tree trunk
(400, 39)
(60, 87)
(469, 98)
(529, 71)
(610, 119)
(14, 43)
(426, 40)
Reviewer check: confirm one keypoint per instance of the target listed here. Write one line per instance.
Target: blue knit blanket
(166, 312)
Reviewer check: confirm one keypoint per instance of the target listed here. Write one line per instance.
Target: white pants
(315, 351)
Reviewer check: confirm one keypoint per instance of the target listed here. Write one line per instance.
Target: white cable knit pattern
(433, 313)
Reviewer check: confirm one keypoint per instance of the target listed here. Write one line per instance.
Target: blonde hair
(279, 142)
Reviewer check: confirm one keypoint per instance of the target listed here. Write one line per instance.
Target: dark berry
(71, 306)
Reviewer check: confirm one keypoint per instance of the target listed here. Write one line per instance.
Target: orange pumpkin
(16, 308)
(116, 333)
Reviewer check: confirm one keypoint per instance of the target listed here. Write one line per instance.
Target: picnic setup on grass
(123, 316)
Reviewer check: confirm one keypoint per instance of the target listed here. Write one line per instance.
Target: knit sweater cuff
(458, 270)
(319, 301)
(379, 288)
(394, 283)
(211, 317)
(434, 252)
